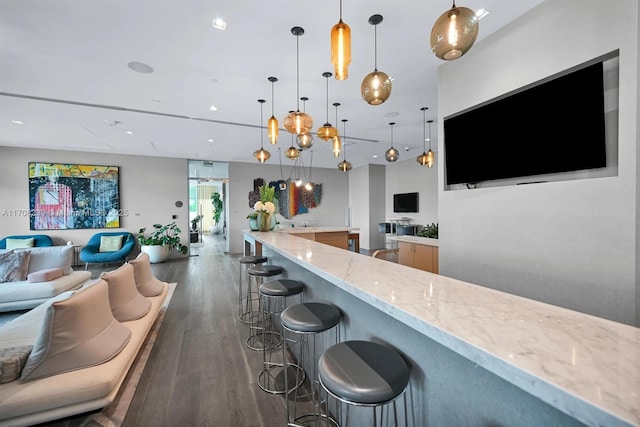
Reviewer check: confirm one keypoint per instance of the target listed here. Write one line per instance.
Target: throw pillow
(146, 282)
(110, 243)
(19, 243)
(46, 257)
(126, 302)
(12, 361)
(14, 266)
(77, 332)
(45, 275)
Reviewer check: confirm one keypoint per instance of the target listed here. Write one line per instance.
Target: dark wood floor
(200, 373)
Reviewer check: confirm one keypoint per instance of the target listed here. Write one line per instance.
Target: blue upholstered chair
(90, 253)
(39, 240)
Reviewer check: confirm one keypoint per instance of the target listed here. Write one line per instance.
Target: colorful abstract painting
(70, 196)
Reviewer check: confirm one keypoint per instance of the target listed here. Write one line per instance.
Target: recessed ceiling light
(213, 108)
(210, 140)
(481, 13)
(17, 122)
(375, 156)
(219, 24)
(128, 132)
(140, 67)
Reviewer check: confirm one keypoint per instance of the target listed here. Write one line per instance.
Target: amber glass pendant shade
(272, 123)
(376, 87)
(341, 50)
(336, 146)
(292, 153)
(345, 166)
(327, 132)
(298, 122)
(454, 32)
(261, 155)
(430, 158)
(391, 155)
(422, 159)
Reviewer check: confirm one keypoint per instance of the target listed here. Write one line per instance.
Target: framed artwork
(70, 196)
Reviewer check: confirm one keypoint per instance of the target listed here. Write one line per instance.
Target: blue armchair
(38, 240)
(90, 253)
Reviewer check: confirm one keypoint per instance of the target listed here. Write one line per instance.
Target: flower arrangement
(265, 204)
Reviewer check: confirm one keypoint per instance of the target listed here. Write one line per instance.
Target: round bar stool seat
(257, 319)
(306, 320)
(363, 373)
(245, 299)
(274, 294)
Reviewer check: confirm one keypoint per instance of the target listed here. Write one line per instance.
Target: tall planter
(157, 253)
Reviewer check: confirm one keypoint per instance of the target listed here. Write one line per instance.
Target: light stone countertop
(583, 365)
(300, 230)
(415, 239)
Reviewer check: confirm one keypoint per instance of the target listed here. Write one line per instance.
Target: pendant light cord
(261, 118)
(341, 10)
(298, 70)
(327, 78)
(424, 130)
(391, 126)
(344, 142)
(375, 47)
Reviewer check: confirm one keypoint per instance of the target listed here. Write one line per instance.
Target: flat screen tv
(553, 126)
(405, 202)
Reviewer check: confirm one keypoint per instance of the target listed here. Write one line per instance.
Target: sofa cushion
(12, 361)
(51, 257)
(14, 266)
(19, 243)
(126, 302)
(110, 243)
(146, 282)
(77, 332)
(45, 275)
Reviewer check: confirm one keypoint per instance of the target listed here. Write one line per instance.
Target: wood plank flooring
(200, 372)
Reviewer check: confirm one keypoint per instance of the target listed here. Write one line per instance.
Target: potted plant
(265, 208)
(195, 221)
(216, 201)
(430, 231)
(160, 241)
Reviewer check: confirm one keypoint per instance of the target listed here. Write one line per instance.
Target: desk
(478, 356)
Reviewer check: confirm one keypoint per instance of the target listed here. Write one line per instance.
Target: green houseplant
(216, 201)
(160, 241)
(430, 230)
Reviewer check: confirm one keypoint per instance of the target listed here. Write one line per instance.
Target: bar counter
(584, 369)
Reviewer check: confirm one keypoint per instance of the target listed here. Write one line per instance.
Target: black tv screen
(405, 202)
(555, 126)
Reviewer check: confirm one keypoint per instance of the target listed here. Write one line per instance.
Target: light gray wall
(367, 202)
(409, 177)
(571, 243)
(149, 187)
(330, 212)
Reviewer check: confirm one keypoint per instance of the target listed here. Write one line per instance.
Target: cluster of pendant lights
(452, 35)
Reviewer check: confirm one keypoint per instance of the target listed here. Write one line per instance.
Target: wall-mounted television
(556, 125)
(405, 202)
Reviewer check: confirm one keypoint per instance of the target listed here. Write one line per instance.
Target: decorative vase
(253, 224)
(266, 221)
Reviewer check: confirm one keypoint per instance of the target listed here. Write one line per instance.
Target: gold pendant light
(298, 122)
(376, 86)
(344, 165)
(272, 123)
(391, 154)
(336, 144)
(341, 48)
(327, 131)
(292, 152)
(305, 140)
(454, 32)
(426, 158)
(261, 155)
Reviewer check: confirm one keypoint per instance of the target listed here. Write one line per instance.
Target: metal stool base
(271, 378)
(272, 341)
(312, 420)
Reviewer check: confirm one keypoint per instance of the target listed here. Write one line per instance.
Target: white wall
(367, 202)
(330, 212)
(149, 187)
(571, 243)
(409, 177)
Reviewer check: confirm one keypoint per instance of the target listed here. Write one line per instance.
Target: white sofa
(75, 391)
(23, 294)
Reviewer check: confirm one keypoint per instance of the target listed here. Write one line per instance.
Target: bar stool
(246, 300)
(274, 295)
(364, 373)
(306, 321)
(257, 319)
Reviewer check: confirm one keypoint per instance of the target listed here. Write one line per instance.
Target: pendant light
(292, 152)
(391, 154)
(341, 48)
(344, 165)
(261, 155)
(336, 144)
(298, 122)
(272, 123)
(431, 158)
(309, 185)
(305, 140)
(327, 131)
(454, 32)
(376, 86)
(283, 182)
(423, 158)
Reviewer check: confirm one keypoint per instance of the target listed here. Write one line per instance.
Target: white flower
(270, 207)
(259, 206)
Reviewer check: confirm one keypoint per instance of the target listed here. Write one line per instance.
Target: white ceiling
(64, 74)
